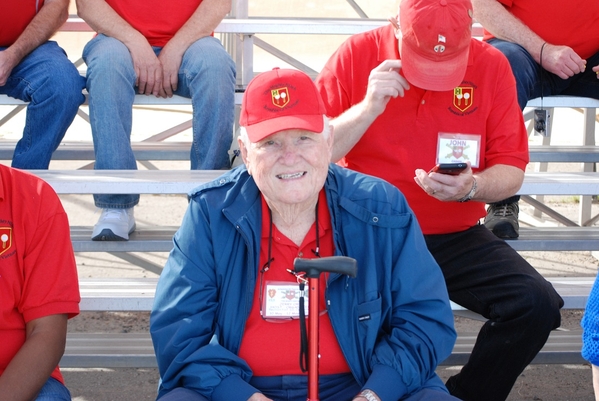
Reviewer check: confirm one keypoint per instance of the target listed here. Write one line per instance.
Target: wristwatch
(369, 395)
(470, 194)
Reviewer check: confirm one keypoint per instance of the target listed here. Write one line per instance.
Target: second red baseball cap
(435, 42)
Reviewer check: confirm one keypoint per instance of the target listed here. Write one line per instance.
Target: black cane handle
(331, 264)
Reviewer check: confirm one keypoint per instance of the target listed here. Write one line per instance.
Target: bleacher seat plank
(556, 239)
(118, 350)
(126, 181)
(137, 294)
(563, 101)
(584, 183)
(109, 350)
(143, 239)
(146, 150)
(84, 150)
(117, 294)
(183, 181)
(564, 154)
(562, 347)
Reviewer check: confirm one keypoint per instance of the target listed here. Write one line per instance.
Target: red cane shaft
(313, 339)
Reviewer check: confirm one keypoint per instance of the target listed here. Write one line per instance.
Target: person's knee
(106, 59)
(63, 87)
(207, 57)
(522, 64)
(541, 304)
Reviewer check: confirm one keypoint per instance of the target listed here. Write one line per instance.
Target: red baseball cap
(278, 100)
(435, 42)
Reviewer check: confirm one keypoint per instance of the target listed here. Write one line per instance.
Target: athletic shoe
(503, 220)
(114, 225)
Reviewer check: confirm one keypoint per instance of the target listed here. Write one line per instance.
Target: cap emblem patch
(280, 97)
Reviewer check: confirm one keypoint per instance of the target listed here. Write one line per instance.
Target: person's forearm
(349, 128)
(103, 19)
(497, 183)
(33, 364)
(202, 22)
(503, 25)
(51, 16)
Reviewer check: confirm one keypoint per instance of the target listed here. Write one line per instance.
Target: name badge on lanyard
(458, 148)
(281, 300)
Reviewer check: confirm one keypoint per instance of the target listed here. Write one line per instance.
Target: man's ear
(244, 152)
(331, 139)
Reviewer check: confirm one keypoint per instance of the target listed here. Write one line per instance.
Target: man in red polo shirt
(36, 70)
(553, 49)
(406, 99)
(39, 289)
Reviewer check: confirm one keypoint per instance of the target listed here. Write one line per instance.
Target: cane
(312, 268)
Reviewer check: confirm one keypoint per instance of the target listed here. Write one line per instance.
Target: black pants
(485, 275)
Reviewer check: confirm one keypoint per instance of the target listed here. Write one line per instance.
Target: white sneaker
(114, 225)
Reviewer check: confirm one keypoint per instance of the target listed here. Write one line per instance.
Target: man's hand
(596, 69)
(445, 187)
(259, 397)
(384, 83)
(148, 69)
(562, 61)
(7, 63)
(171, 57)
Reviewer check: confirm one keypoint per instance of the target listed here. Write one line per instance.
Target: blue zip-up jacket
(393, 321)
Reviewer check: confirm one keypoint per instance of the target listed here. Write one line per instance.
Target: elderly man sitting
(219, 330)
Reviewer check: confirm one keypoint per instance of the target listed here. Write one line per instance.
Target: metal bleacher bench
(116, 350)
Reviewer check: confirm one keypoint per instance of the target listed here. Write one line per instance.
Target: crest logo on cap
(280, 97)
(5, 239)
(463, 97)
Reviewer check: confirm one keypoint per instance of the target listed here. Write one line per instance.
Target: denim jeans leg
(111, 87)
(524, 67)
(54, 89)
(526, 73)
(586, 83)
(207, 76)
(54, 390)
(485, 275)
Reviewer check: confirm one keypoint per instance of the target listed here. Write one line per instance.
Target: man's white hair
(326, 132)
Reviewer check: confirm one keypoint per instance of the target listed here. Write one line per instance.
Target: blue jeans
(54, 390)
(52, 86)
(341, 387)
(532, 81)
(207, 76)
(487, 276)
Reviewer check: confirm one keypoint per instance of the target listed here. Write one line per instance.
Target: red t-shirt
(38, 274)
(404, 137)
(270, 348)
(574, 23)
(157, 20)
(14, 18)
